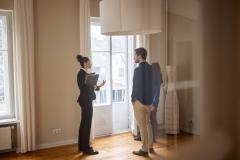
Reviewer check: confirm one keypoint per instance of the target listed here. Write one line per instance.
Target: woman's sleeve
(156, 97)
(81, 81)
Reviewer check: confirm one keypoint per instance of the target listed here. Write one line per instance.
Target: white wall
(183, 25)
(184, 51)
(94, 8)
(56, 46)
(7, 4)
(158, 54)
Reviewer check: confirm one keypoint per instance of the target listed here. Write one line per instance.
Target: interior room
(194, 43)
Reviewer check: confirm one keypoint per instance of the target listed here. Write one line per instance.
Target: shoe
(141, 153)
(137, 138)
(90, 152)
(135, 135)
(151, 150)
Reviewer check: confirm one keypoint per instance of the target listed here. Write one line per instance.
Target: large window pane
(6, 83)
(119, 44)
(3, 33)
(100, 47)
(5, 109)
(101, 66)
(119, 64)
(99, 42)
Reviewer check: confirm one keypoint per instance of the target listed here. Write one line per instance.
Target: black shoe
(151, 150)
(137, 138)
(141, 153)
(90, 151)
(93, 152)
(154, 141)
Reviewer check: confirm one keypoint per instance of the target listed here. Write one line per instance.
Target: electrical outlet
(190, 125)
(57, 131)
(191, 122)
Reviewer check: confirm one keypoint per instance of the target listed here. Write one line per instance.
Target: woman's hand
(102, 84)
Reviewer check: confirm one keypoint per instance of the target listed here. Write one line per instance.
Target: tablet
(91, 79)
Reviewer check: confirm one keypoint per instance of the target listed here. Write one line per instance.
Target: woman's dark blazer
(87, 93)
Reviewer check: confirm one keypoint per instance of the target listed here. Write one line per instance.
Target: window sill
(8, 121)
(101, 105)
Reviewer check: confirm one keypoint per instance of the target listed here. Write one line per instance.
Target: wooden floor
(117, 147)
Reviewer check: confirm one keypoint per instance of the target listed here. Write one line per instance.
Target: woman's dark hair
(142, 52)
(82, 59)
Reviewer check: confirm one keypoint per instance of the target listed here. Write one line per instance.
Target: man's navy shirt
(142, 84)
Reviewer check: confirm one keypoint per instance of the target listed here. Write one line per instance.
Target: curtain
(171, 103)
(85, 39)
(24, 73)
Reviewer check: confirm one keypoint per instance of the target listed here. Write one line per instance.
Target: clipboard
(91, 79)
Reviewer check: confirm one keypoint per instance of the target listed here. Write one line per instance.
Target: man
(142, 99)
(157, 81)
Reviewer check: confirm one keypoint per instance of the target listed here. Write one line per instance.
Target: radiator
(5, 138)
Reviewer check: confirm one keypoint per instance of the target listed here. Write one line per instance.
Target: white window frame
(10, 78)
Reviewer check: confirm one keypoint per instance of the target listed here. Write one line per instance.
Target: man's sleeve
(133, 96)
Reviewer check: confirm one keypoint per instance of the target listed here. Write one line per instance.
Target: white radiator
(5, 138)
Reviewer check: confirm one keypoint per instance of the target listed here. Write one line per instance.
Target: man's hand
(133, 103)
(151, 107)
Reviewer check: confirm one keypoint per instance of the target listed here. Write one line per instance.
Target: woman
(157, 81)
(87, 95)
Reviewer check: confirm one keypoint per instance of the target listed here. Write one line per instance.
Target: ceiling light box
(130, 17)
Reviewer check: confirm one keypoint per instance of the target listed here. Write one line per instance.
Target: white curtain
(24, 73)
(171, 103)
(85, 39)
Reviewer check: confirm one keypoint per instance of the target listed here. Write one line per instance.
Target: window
(119, 67)
(118, 95)
(121, 72)
(100, 47)
(109, 57)
(6, 66)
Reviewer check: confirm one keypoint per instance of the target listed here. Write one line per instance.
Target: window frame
(10, 44)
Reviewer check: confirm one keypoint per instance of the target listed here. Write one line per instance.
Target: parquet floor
(116, 147)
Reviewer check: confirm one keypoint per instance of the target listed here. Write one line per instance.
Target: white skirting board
(5, 138)
(57, 144)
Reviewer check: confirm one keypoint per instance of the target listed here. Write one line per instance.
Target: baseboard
(185, 130)
(56, 144)
(190, 131)
(121, 131)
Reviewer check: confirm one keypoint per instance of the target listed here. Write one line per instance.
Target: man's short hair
(142, 52)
